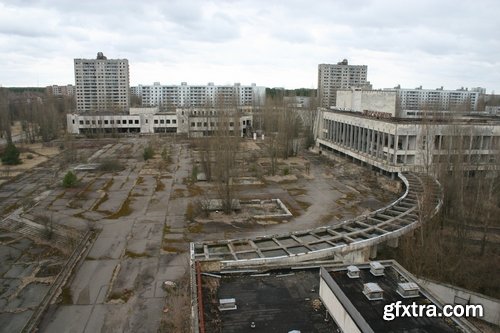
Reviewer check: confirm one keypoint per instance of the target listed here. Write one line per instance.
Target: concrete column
(344, 136)
(389, 141)
(358, 138)
(372, 143)
(396, 142)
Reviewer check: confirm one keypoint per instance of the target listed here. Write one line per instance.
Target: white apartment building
(418, 99)
(210, 95)
(102, 85)
(340, 76)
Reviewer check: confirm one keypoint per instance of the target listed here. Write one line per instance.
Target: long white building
(419, 99)
(102, 85)
(210, 95)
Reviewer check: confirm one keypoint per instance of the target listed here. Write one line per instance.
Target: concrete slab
(68, 318)
(14, 322)
(92, 280)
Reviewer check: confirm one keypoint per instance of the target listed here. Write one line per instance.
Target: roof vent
(226, 304)
(376, 268)
(373, 291)
(353, 272)
(408, 290)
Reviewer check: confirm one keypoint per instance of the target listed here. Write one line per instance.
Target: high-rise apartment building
(102, 85)
(340, 76)
(210, 95)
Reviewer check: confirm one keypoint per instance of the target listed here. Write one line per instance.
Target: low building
(396, 145)
(359, 100)
(193, 122)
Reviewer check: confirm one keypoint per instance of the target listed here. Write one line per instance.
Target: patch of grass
(178, 193)
(195, 228)
(172, 249)
(166, 229)
(303, 204)
(108, 185)
(66, 297)
(121, 295)
(326, 218)
(101, 200)
(9, 209)
(191, 212)
(297, 191)
(194, 190)
(139, 181)
(124, 210)
(132, 254)
(79, 215)
(159, 185)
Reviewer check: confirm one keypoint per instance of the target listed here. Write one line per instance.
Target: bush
(111, 165)
(286, 172)
(11, 155)
(29, 156)
(70, 180)
(148, 153)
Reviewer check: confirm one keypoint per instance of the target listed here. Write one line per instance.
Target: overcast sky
(450, 43)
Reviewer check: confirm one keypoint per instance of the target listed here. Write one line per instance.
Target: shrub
(110, 165)
(148, 153)
(70, 180)
(11, 155)
(286, 172)
(29, 156)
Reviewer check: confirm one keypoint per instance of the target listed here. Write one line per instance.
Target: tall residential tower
(102, 85)
(340, 76)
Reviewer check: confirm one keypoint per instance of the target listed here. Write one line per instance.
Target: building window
(118, 121)
(192, 124)
(81, 122)
(136, 121)
(156, 121)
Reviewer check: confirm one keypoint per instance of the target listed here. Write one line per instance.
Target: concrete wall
(336, 310)
(451, 295)
(371, 100)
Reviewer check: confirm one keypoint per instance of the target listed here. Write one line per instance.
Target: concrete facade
(367, 100)
(436, 99)
(395, 145)
(102, 85)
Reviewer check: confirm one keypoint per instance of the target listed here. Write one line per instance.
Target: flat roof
(433, 120)
(372, 311)
(278, 301)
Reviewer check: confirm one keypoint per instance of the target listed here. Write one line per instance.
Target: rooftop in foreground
(368, 314)
(278, 301)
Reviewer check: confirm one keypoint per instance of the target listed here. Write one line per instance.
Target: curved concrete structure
(344, 238)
